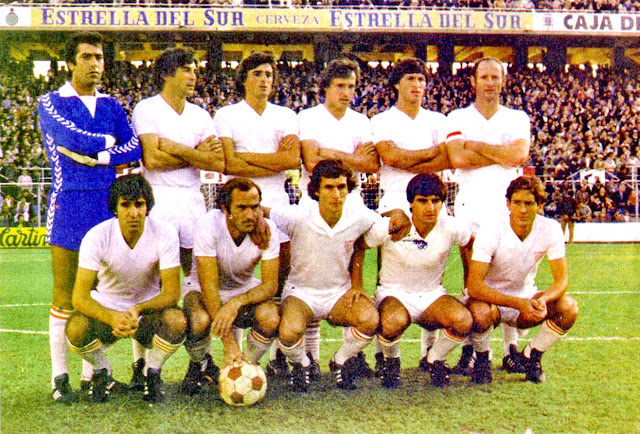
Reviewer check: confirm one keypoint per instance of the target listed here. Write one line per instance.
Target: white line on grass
(412, 341)
(25, 305)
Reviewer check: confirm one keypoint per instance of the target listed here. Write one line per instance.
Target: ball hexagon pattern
(242, 385)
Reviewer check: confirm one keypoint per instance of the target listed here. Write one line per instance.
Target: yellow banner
(21, 238)
(277, 20)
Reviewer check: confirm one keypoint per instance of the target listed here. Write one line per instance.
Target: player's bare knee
(175, 323)
(368, 321)
(77, 329)
(461, 322)
(482, 316)
(268, 318)
(199, 322)
(565, 312)
(291, 331)
(392, 326)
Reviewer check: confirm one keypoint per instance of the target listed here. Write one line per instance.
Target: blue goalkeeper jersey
(66, 121)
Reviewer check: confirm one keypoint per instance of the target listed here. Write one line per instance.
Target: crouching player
(136, 262)
(501, 282)
(227, 257)
(324, 283)
(410, 288)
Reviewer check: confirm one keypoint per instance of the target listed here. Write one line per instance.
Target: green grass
(593, 381)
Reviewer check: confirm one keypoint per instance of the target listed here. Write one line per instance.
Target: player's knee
(392, 326)
(291, 331)
(77, 329)
(482, 316)
(368, 320)
(199, 322)
(567, 309)
(461, 321)
(175, 322)
(268, 318)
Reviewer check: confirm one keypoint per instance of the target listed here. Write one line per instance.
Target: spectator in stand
(567, 211)
(25, 181)
(584, 213)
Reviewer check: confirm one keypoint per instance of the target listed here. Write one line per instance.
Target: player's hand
(261, 235)
(353, 295)
(399, 224)
(223, 321)
(287, 143)
(367, 148)
(233, 356)
(533, 311)
(78, 158)
(210, 144)
(124, 325)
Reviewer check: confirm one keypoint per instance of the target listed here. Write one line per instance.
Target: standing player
(409, 140)
(260, 141)
(227, 258)
(79, 125)
(486, 142)
(133, 263)
(333, 130)
(178, 139)
(324, 281)
(501, 282)
(410, 288)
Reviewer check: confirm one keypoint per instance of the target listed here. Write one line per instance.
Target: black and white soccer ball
(242, 385)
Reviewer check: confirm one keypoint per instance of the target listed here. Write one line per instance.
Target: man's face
(332, 194)
(131, 214)
(341, 92)
(89, 66)
(259, 81)
(523, 208)
(183, 80)
(411, 87)
(425, 209)
(244, 210)
(488, 80)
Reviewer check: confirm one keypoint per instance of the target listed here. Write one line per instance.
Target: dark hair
(242, 184)
(412, 65)
(130, 187)
(426, 184)
(330, 169)
(528, 183)
(338, 68)
(252, 61)
(71, 48)
(168, 63)
(476, 65)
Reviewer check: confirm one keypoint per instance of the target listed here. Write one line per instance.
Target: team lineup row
(87, 134)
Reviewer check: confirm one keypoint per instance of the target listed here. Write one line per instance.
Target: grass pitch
(593, 375)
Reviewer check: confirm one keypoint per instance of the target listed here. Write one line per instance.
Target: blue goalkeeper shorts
(70, 215)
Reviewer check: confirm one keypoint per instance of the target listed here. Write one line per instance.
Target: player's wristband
(104, 158)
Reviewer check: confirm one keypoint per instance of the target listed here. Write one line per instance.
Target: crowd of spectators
(620, 6)
(580, 120)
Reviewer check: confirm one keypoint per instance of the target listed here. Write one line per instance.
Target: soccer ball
(241, 386)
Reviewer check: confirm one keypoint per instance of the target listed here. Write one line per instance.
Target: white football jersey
(416, 264)
(154, 116)
(127, 276)
(424, 132)
(345, 134)
(252, 132)
(514, 263)
(236, 264)
(320, 255)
